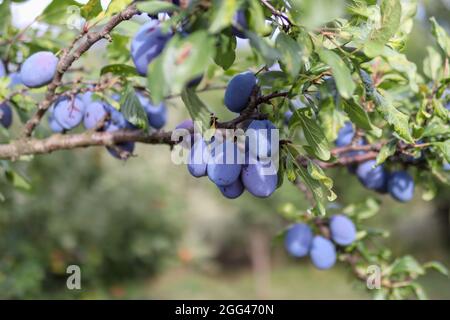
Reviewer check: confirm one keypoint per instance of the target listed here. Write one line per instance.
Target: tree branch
(69, 58)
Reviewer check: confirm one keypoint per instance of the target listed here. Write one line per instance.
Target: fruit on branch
(52, 123)
(323, 253)
(223, 168)
(343, 230)
(259, 139)
(95, 113)
(261, 180)
(148, 44)
(69, 112)
(14, 80)
(39, 69)
(239, 91)
(371, 176)
(121, 151)
(6, 115)
(345, 135)
(298, 240)
(198, 159)
(157, 115)
(401, 186)
(233, 191)
(240, 24)
(188, 138)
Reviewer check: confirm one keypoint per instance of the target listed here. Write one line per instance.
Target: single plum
(233, 191)
(186, 125)
(323, 253)
(198, 159)
(148, 44)
(298, 240)
(259, 179)
(223, 168)
(94, 114)
(240, 24)
(239, 90)
(121, 151)
(401, 186)
(39, 69)
(6, 115)
(343, 230)
(52, 123)
(345, 135)
(374, 178)
(259, 139)
(157, 115)
(69, 113)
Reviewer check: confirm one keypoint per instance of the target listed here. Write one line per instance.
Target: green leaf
(439, 267)
(291, 53)
(122, 70)
(155, 7)
(318, 174)
(197, 109)
(394, 117)
(432, 65)
(441, 36)
(257, 20)
(359, 116)
(5, 14)
(226, 51)
(341, 73)
(386, 151)
(61, 11)
(264, 49)
(156, 81)
(223, 13)
(17, 180)
(314, 134)
(444, 148)
(132, 108)
(406, 264)
(91, 9)
(391, 13)
(184, 59)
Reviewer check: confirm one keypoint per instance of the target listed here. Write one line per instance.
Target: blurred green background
(147, 229)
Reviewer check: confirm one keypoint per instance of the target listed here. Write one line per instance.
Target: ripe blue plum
(198, 159)
(52, 123)
(401, 186)
(223, 168)
(259, 139)
(148, 44)
(94, 114)
(233, 191)
(239, 91)
(157, 115)
(121, 151)
(14, 80)
(69, 113)
(343, 230)
(39, 69)
(6, 115)
(117, 118)
(260, 180)
(374, 178)
(186, 125)
(240, 24)
(345, 135)
(298, 240)
(323, 253)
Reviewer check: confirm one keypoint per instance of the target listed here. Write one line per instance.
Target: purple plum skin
(69, 114)
(240, 24)
(198, 159)
(147, 44)
(323, 253)
(94, 114)
(222, 170)
(6, 115)
(345, 135)
(39, 69)
(256, 182)
(343, 231)
(233, 191)
(372, 178)
(298, 240)
(239, 90)
(401, 186)
(259, 138)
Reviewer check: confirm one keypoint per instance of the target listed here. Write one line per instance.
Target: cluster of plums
(399, 184)
(66, 114)
(231, 168)
(300, 241)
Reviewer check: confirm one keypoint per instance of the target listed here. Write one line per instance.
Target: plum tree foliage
(336, 85)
